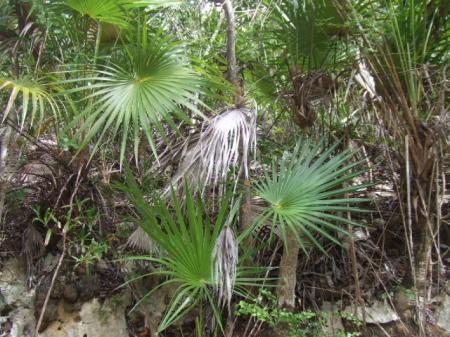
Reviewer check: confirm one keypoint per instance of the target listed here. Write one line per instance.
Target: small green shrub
(299, 324)
(91, 253)
(264, 308)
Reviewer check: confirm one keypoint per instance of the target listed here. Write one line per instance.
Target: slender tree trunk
(288, 274)
(231, 41)
(232, 74)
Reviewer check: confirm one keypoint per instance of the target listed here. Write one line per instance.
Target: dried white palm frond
(225, 258)
(140, 241)
(224, 143)
(365, 78)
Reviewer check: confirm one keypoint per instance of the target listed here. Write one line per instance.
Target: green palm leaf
(305, 28)
(189, 239)
(36, 100)
(155, 88)
(108, 11)
(306, 192)
(115, 11)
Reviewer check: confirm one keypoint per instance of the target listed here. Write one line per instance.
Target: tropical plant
(153, 88)
(36, 100)
(130, 80)
(199, 252)
(407, 65)
(304, 29)
(307, 36)
(26, 96)
(309, 192)
(109, 11)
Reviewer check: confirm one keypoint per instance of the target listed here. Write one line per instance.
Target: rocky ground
(74, 311)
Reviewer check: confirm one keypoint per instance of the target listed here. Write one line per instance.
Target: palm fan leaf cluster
(36, 100)
(305, 30)
(107, 11)
(115, 12)
(154, 90)
(309, 192)
(194, 258)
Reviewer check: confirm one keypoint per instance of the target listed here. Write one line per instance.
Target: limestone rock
(378, 313)
(94, 320)
(16, 315)
(443, 314)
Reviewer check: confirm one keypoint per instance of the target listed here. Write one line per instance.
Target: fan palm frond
(194, 257)
(154, 89)
(226, 141)
(107, 11)
(36, 100)
(305, 31)
(115, 11)
(306, 193)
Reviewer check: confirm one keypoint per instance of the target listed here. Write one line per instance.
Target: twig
(408, 229)
(47, 297)
(353, 258)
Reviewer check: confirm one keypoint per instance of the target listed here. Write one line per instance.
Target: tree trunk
(231, 51)
(288, 274)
